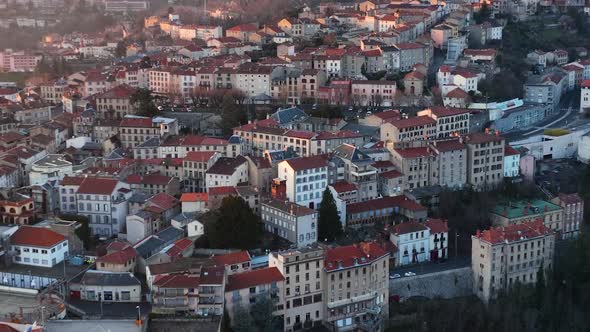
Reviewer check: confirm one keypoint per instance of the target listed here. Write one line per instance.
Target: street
(427, 268)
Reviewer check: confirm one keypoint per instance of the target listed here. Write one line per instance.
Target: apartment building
(179, 146)
(18, 61)
(415, 165)
(585, 95)
(254, 80)
(200, 293)
(160, 80)
(295, 223)
(195, 166)
(409, 129)
(53, 91)
(518, 212)
(384, 209)
(485, 160)
(373, 93)
(504, 256)
(356, 287)
(244, 289)
(104, 203)
(356, 168)
(135, 130)
(450, 122)
(573, 214)
(449, 165)
(115, 103)
(306, 179)
(38, 246)
(304, 289)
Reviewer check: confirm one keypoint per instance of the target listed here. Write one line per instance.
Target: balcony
(210, 300)
(359, 298)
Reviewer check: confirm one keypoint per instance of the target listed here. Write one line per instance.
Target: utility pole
(456, 237)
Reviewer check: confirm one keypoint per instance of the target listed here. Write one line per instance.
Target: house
(383, 209)
(414, 83)
(101, 286)
(412, 240)
(525, 211)
(38, 246)
(573, 208)
(115, 103)
(439, 239)
(485, 159)
(511, 162)
(119, 257)
(195, 166)
(295, 223)
(154, 183)
(227, 172)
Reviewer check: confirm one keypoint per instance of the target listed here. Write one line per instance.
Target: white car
(409, 274)
(394, 276)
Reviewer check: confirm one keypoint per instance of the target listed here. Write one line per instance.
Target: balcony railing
(360, 298)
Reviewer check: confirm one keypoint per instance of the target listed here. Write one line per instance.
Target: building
(519, 212)
(449, 164)
(119, 257)
(383, 209)
(450, 122)
(585, 95)
(573, 214)
(18, 61)
(412, 240)
(115, 103)
(104, 203)
(195, 166)
(373, 93)
(504, 256)
(38, 246)
(306, 179)
(53, 167)
(234, 262)
(135, 130)
(227, 172)
(409, 129)
(304, 289)
(356, 168)
(356, 287)
(100, 286)
(485, 160)
(244, 289)
(414, 164)
(511, 162)
(293, 222)
(439, 239)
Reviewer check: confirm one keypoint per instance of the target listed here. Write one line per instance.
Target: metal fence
(26, 281)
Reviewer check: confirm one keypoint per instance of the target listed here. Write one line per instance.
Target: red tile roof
(353, 255)
(194, 197)
(457, 93)
(437, 225)
(478, 138)
(226, 190)
(570, 198)
(391, 174)
(249, 27)
(388, 115)
(343, 186)
(441, 111)
(176, 281)
(97, 186)
(237, 257)
(416, 121)
(179, 247)
(414, 152)
(119, 257)
(36, 237)
(383, 164)
(408, 227)
(415, 74)
(164, 201)
(482, 52)
(586, 83)
(308, 162)
(515, 232)
(138, 122)
(150, 179)
(449, 145)
(253, 278)
(122, 91)
(510, 151)
(71, 181)
(199, 156)
(385, 202)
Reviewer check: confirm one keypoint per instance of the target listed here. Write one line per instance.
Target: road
(567, 117)
(427, 268)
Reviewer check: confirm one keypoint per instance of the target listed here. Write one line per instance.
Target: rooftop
(289, 207)
(519, 209)
(514, 233)
(36, 237)
(349, 256)
(253, 278)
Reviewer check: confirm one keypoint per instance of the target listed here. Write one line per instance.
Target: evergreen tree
(242, 321)
(235, 225)
(232, 114)
(121, 50)
(143, 100)
(329, 226)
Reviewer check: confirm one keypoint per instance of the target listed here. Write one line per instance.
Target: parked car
(395, 276)
(409, 274)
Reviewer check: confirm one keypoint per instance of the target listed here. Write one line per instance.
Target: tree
(234, 226)
(121, 49)
(261, 312)
(242, 321)
(143, 101)
(329, 226)
(232, 114)
(483, 14)
(83, 232)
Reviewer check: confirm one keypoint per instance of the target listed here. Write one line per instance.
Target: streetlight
(456, 237)
(138, 315)
(43, 315)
